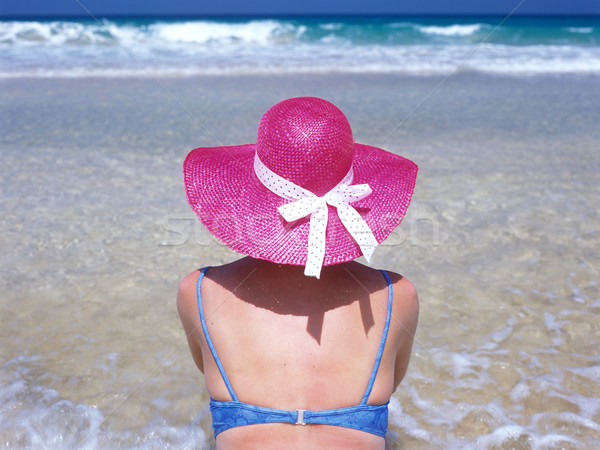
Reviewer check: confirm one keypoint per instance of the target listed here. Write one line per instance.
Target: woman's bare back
(290, 342)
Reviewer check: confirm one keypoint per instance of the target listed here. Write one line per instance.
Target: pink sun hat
(305, 193)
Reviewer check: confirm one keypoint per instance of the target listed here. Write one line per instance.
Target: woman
(300, 345)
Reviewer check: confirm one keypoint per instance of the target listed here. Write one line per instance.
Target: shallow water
(501, 241)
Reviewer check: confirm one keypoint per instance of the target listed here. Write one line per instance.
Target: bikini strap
(209, 340)
(383, 339)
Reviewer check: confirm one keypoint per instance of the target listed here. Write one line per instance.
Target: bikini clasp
(300, 417)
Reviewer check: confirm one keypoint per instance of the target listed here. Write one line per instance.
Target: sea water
(501, 239)
(193, 46)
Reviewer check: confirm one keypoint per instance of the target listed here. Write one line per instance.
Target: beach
(501, 241)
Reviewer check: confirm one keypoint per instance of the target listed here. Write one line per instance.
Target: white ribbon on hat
(307, 203)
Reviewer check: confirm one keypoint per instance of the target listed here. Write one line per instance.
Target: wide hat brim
(237, 209)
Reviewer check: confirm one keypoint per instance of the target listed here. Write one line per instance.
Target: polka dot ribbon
(306, 203)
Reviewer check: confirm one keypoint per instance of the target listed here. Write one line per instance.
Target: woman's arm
(406, 315)
(187, 306)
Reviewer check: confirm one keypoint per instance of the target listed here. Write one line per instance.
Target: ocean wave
(31, 33)
(310, 59)
(156, 34)
(582, 30)
(451, 30)
(173, 48)
(160, 34)
(203, 32)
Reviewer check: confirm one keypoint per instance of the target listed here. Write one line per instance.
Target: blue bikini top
(229, 414)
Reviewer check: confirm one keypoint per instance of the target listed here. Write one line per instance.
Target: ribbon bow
(307, 203)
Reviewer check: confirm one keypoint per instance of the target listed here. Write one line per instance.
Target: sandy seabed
(501, 241)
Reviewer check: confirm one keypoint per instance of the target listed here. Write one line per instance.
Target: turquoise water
(201, 46)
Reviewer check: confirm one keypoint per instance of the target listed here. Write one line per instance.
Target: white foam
(451, 30)
(534, 59)
(505, 332)
(331, 26)
(36, 416)
(58, 33)
(555, 326)
(501, 435)
(571, 418)
(591, 372)
(204, 32)
(520, 392)
(553, 441)
(468, 367)
(581, 30)
(407, 423)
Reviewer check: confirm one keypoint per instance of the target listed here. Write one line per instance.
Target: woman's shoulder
(403, 287)
(405, 297)
(187, 285)
(187, 294)
(400, 283)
